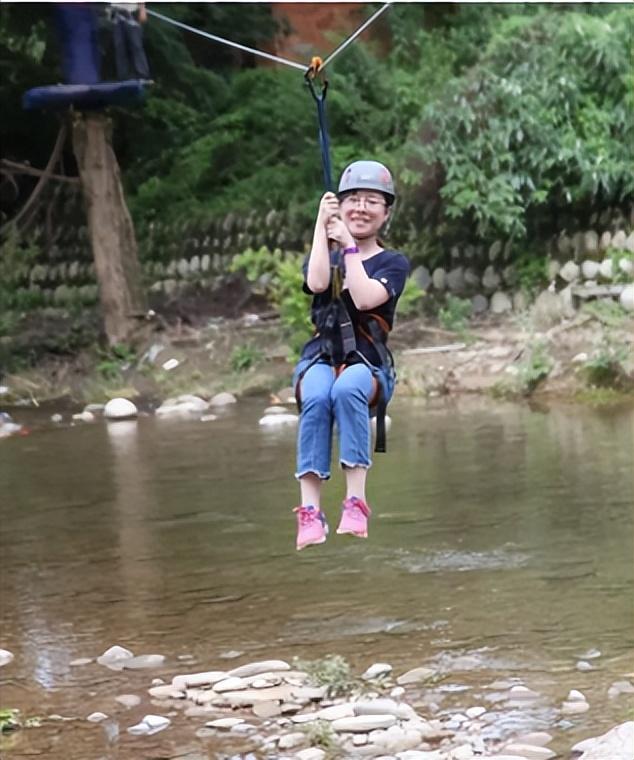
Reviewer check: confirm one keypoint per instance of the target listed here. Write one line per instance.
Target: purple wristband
(352, 249)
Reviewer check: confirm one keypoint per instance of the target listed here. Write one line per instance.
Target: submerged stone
(151, 724)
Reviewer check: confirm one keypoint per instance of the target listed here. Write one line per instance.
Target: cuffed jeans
(325, 399)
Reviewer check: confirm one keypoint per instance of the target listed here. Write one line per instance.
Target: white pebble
(377, 670)
(226, 723)
(289, 741)
(97, 717)
(151, 724)
(128, 700)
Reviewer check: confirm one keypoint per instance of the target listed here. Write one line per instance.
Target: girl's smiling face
(364, 212)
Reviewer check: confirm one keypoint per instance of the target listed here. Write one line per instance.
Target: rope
(277, 59)
(354, 35)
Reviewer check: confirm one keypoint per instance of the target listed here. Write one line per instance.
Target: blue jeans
(344, 399)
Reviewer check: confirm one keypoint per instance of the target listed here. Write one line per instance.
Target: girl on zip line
(346, 372)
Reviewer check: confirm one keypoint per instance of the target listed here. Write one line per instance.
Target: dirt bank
(588, 356)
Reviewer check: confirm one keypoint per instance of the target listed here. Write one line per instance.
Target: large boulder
(120, 409)
(439, 278)
(615, 744)
(184, 405)
(590, 269)
(222, 399)
(626, 299)
(569, 271)
(500, 302)
(421, 277)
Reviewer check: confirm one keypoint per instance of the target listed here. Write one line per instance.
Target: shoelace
(307, 516)
(354, 505)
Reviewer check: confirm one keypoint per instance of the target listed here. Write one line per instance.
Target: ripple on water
(319, 628)
(458, 561)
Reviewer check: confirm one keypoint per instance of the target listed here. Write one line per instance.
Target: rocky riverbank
(545, 351)
(320, 710)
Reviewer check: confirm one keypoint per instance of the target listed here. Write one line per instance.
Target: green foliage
(257, 263)
(541, 122)
(531, 273)
(610, 313)
(410, 300)
(9, 720)
(535, 368)
(454, 315)
(618, 255)
(284, 279)
(9, 321)
(244, 357)
(16, 259)
(332, 671)
(114, 361)
(497, 119)
(603, 396)
(605, 367)
(320, 733)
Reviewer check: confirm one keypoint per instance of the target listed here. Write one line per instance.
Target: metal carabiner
(313, 72)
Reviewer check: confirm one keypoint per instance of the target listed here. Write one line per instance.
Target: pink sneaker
(354, 517)
(312, 527)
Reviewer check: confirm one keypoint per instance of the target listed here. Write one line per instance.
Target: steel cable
(222, 40)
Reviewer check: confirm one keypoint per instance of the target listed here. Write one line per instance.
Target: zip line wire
(223, 41)
(269, 56)
(353, 36)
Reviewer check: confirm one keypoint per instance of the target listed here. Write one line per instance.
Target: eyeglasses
(360, 201)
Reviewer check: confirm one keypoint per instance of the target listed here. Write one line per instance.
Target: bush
(410, 300)
(617, 256)
(455, 313)
(535, 368)
(284, 279)
(531, 273)
(605, 367)
(16, 259)
(332, 671)
(540, 125)
(244, 357)
(609, 312)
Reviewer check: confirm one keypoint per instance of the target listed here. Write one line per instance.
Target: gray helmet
(367, 175)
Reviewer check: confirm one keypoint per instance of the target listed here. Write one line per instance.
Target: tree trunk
(112, 236)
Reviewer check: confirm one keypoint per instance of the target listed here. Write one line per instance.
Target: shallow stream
(501, 547)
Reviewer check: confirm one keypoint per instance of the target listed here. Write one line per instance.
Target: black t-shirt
(388, 267)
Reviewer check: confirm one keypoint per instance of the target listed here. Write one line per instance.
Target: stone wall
(586, 265)
(176, 256)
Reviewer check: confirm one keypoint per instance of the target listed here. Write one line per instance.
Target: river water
(501, 547)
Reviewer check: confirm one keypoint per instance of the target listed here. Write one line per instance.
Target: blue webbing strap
(324, 144)
(324, 140)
